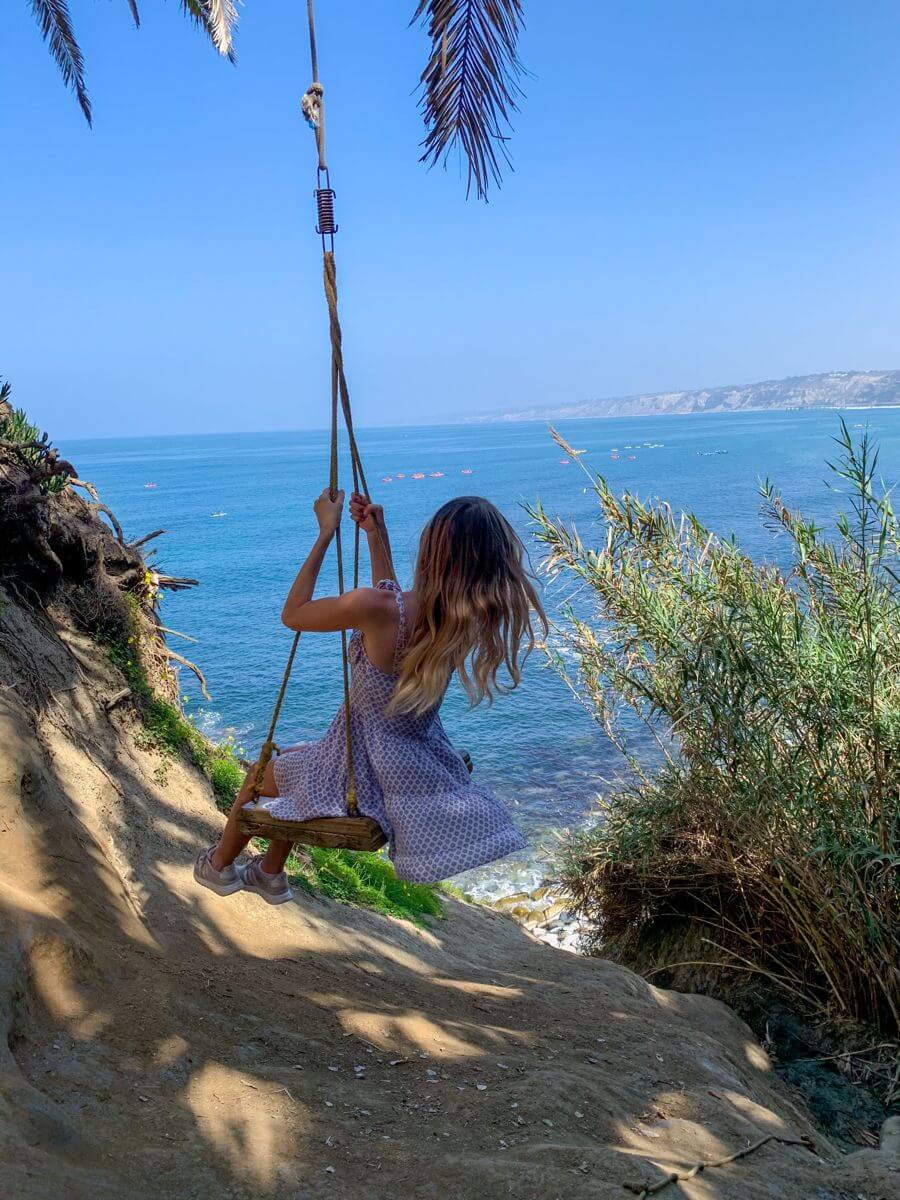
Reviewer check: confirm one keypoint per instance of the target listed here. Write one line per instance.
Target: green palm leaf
(470, 84)
(56, 28)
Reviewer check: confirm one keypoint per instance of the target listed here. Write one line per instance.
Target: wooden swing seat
(335, 833)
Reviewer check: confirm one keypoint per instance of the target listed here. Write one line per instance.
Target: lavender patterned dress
(408, 777)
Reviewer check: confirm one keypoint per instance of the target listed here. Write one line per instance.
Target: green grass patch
(365, 881)
(166, 730)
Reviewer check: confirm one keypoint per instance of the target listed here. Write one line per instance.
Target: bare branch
(176, 633)
(186, 662)
(117, 528)
(174, 583)
(148, 537)
(110, 703)
(88, 487)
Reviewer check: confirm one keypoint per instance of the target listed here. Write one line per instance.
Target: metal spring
(325, 210)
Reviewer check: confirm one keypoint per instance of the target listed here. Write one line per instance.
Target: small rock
(890, 1137)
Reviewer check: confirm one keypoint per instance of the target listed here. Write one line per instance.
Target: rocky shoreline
(546, 912)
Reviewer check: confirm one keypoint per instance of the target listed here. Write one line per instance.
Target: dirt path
(167, 1043)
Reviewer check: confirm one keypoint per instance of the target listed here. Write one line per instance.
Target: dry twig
(681, 1176)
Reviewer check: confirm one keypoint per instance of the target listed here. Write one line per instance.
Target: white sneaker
(224, 883)
(274, 889)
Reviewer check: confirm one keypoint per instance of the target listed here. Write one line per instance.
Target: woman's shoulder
(374, 602)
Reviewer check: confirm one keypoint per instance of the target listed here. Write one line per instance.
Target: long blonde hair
(476, 602)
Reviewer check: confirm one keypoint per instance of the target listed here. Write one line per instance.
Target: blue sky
(704, 193)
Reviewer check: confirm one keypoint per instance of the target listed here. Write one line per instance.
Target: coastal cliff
(834, 389)
(162, 1042)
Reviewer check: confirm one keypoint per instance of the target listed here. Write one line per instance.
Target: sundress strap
(391, 585)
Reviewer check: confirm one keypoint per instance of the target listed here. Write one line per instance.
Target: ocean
(237, 510)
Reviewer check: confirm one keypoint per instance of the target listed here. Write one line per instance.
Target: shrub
(772, 827)
(32, 444)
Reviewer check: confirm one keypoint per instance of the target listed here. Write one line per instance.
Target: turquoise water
(238, 514)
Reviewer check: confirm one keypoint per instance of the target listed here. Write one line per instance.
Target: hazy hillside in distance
(836, 389)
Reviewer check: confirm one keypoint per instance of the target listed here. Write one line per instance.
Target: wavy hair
(476, 604)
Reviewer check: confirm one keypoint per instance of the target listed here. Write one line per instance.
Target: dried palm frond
(470, 84)
(56, 29)
(218, 18)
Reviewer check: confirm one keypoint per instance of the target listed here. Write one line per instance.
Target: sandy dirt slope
(161, 1042)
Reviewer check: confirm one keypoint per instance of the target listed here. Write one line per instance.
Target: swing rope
(313, 105)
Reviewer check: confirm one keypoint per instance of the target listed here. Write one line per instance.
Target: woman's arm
(370, 518)
(328, 514)
(360, 609)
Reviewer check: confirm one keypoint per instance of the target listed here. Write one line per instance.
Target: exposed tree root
(186, 662)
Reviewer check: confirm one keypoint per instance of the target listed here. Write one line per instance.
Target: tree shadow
(164, 1041)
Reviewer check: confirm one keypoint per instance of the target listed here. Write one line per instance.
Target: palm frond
(135, 15)
(470, 84)
(56, 29)
(218, 18)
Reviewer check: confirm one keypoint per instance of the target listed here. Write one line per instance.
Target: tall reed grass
(769, 832)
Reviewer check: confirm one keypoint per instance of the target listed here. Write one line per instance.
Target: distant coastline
(800, 393)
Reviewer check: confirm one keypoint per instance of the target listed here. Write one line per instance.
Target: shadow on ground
(163, 1042)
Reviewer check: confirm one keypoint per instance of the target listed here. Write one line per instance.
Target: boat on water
(150, 486)
(220, 514)
(387, 479)
(466, 471)
(436, 475)
(400, 475)
(417, 475)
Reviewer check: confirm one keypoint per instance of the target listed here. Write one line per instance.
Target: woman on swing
(469, 612)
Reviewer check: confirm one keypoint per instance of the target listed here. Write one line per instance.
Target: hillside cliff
(162, 1042)
(836, 389)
